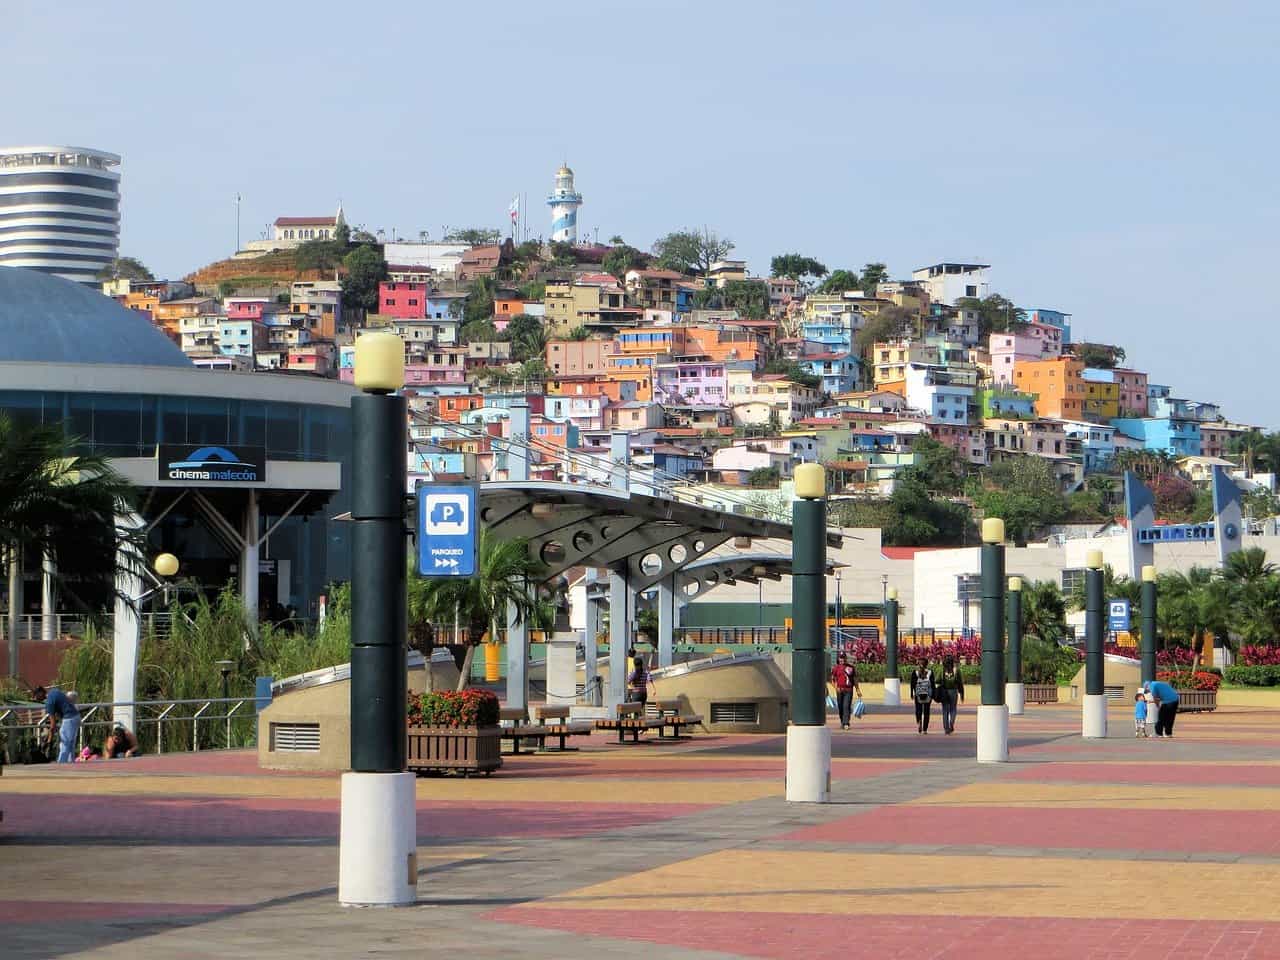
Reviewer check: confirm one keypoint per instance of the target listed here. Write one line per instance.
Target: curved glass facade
(314, 550)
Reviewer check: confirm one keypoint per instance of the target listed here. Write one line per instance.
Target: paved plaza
(1101, 849)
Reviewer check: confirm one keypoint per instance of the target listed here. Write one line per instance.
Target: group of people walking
(943, 686)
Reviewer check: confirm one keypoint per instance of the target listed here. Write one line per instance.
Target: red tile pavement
(715, 768)
(824, 937)
(1181, 831)
(218, 820)
(64, 911)
(1200, 774)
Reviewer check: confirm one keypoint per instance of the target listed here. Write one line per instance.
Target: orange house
(1058, 384)
(451, 409)
(652, 341)
(641, 376)
(724, 345)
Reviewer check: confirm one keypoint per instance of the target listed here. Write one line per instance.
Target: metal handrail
(29, 718)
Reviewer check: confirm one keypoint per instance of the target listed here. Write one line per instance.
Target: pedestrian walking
(845, 678)
(951, 689)
(1166, 706)
(923, 684)
(638, 682)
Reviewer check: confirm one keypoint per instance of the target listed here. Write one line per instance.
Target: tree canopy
(1022, 491)
(873, 274)
(319, 255)
(749, 297)
(691, 251)
(1102, 356)
(838, 281)
(996, 314)
(888, 324)
(475, 236)
(128, 268)
(796, 267)
(365, 270)
(527, 336)
(622, 258)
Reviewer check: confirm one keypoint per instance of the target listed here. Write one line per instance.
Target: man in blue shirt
(64, 717)
(1166, 706)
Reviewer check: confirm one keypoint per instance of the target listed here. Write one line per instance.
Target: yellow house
(1101, 400)
(891, 359)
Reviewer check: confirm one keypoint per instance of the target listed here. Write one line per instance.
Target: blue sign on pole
(1117, 615)
(448, 529)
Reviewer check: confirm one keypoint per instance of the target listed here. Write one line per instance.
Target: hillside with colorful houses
(722, 379)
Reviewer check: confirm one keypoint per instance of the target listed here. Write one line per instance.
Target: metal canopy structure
(644, 541)
(569, 525)
(696, 578)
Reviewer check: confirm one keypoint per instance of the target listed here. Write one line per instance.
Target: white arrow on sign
(445, 562)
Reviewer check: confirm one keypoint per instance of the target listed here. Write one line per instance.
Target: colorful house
(1058, 386)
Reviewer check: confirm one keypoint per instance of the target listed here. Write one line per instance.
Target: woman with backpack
(951, 688)
(923, 684)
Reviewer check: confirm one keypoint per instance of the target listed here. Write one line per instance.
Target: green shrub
(1260, 676)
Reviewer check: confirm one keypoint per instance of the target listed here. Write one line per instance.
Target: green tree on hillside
(749, 297)
(937, 465)
(622, 258)
(319, 255)
(873, 274)
(691, 251)
(527, 336)
(365, 270)
(996, 314)
(1100, 356)
(889, 324)
(1023, 492)
(475, 236)
(841, 280)
(127, 268)
(796, 267)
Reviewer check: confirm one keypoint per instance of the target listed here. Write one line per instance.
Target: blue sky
(1115, 160)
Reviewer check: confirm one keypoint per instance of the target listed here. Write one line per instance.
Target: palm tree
(1251, 448)
(505, 579)
(1248, 566)
(1044, 611)
(1195, 606)
(59, 503)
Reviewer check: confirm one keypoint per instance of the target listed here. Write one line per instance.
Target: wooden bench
(630, 719)
(516, 727)
(554, 720)
(667, 712)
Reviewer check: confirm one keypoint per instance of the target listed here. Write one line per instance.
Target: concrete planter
(462, 749)
(1197, 701)
(1041, 693)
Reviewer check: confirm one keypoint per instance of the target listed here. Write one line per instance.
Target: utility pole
(237, 249)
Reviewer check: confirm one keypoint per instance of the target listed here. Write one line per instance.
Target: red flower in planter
(471, 708)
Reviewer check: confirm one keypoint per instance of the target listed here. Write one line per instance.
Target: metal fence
(160, 725)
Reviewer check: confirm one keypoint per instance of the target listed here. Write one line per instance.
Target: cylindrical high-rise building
(564, 204)
(59, 210)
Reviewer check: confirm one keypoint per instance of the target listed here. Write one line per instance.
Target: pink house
(248, 308)
(1133, 391)
(697, 382)
(1036, 341)
(405, 301)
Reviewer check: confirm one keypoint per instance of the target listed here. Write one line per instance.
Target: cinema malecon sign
(211, 464)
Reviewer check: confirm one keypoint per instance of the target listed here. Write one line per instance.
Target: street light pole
(993, 714)
(1094, 717)
(808, 738)
(377, 853)
(892, 682)
(839, 613)
(1148, 623)
(1014, 691)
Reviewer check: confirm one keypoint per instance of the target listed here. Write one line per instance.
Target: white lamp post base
(892, 692)
(1095, 716)
(993, 733)
(808, 764)
(378, 845)
(1015, 698)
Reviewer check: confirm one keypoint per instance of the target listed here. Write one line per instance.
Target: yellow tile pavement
(877, 884)
(494, 790)
(1134, 795)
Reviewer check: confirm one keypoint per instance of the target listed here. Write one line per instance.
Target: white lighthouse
(564, 203)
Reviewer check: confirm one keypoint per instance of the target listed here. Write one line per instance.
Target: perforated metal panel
(735, 713)
(295, 737)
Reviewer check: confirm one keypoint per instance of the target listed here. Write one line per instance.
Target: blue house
(1172, 435)
(838, 372)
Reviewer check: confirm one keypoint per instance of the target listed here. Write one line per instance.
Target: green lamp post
(1094, 715)
(1148, 623)
(993, 715)
(808, 738)
(1014, 692)
(892, 683)
(377, 852)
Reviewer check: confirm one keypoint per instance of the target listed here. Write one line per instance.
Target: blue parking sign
(448, 529)
(1117, 615)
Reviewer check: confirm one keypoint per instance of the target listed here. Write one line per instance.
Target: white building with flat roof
(59, 210)
(949, 282)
